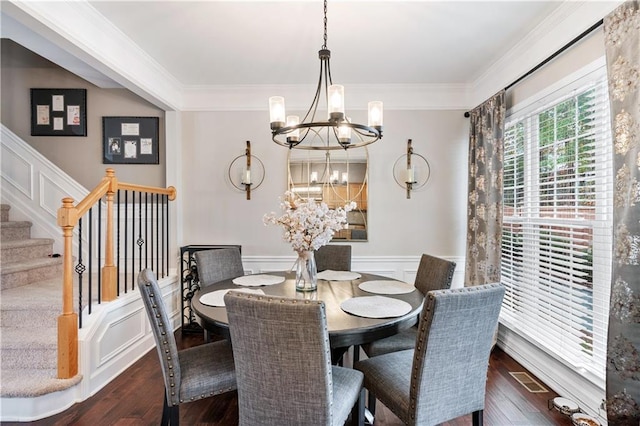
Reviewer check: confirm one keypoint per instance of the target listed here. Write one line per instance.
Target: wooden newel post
(109, 270)
(68, 321)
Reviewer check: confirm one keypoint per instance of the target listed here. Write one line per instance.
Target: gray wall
(432, 221)
(80, 157)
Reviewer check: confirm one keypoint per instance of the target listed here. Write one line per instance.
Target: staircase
(30, 302)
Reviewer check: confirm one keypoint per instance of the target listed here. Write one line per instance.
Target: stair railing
(70, 219)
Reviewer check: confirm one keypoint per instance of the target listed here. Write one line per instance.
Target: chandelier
(338, 132)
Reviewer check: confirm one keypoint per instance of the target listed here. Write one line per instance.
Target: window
(556, 240)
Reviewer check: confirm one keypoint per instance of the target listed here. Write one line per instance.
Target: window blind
(557, 221)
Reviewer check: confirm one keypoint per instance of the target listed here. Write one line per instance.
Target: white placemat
(376, 307)
(386, 287)
(258, 280)
(329, 275)
(216, 298)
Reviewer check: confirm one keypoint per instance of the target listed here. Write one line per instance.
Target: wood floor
(135, 398)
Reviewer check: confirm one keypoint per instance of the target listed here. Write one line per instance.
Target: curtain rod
(550, 58)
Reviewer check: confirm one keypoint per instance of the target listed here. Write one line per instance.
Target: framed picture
(58, 112)
(130, 140)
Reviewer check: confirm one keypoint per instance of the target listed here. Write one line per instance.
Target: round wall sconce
(246, 172)
(411, 171)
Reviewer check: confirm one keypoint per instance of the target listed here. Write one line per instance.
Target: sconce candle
(411, 171)
(246, 172)
(410, 176)
(246, 177)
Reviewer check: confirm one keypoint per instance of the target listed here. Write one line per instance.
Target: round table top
(344, 329)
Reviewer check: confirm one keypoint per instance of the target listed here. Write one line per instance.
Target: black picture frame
(130, 140)
(58, 112)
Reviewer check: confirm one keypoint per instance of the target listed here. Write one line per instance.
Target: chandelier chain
(324, 46)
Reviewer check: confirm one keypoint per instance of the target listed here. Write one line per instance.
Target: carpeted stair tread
(16, 338)
(32, 383)
(26, 242)
(40, 294)
(12, 267)
(15, 230)
(24, 249)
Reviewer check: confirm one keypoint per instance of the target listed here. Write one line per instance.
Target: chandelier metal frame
(338, 127)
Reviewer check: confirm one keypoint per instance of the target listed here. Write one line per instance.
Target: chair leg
(477, 417)
(165, 412)
(170, 415)
(357, 413)
(371, 404)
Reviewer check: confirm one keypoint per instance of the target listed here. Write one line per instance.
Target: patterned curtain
(622, 42)
(484, 211)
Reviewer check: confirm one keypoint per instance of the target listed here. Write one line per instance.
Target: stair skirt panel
(112, 339)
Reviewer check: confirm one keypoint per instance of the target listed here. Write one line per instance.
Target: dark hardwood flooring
(135, 398)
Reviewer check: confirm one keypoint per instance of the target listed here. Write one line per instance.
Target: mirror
(335, 177)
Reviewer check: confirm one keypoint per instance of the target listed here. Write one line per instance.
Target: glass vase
(306, 271)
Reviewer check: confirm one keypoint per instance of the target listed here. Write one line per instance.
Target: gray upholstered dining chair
(445, 376)
(283, 364)
(189, 374)
(434, 273)
(218, 265)
(333, 257)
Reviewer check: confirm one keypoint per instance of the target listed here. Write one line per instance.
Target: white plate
(216, 298)
(258, 280)
(386, 287)
(329, 275)
(376, 307)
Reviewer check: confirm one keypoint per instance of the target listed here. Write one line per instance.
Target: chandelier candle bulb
(344, 135)
(345, 178)
(294, 135)
(314, 177)
(375, 114)
(336, 102)
(276, 112)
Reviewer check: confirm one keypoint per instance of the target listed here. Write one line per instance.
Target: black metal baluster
(79, 269)
(140, 240)
(118, 243)
(90, 253)
(99, 251)
(126, 234)
(166, 207)
(157, 239)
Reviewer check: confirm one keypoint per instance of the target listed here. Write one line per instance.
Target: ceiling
(207, 43)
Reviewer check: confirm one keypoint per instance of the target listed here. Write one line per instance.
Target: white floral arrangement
(308, 225)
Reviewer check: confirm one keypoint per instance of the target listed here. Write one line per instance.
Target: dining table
(360, 307)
